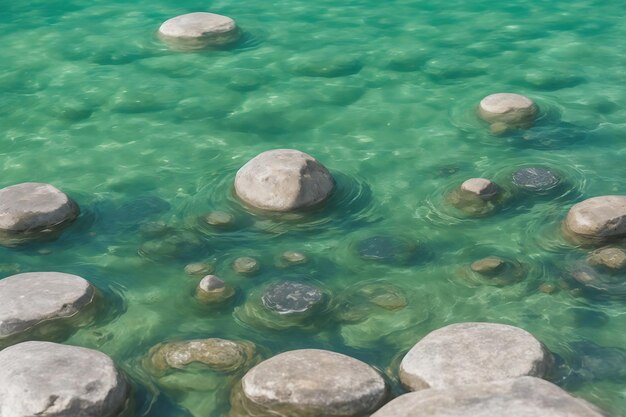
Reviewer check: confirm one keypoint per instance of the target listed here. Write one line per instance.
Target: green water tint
(147, 141)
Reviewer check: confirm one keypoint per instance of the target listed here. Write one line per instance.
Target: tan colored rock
(480, 187)
(508, 109)
(597, 220)
(246, 265)
(199, 30)
(612, 258)
(488, 266)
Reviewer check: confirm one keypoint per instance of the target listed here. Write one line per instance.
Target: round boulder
(212, 289)
(43, 378)
(290, 297)
(199, 30)
(612, 258)
(481, 188)
(509, 109)
(536, 179)
(30, 299)
(473, 353)
(525, 396)
(283, 180)
(598, 219)
(311, 382)
(35, 209)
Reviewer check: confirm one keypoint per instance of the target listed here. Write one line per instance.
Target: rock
(290, 297)
(509, 109)
(597, 219)
(217, 354)
(283, 180)
(536, 179)
(246, 265)
(199, 30)
(219, 219)
(32, 210)
(481, 188)
(213, 290)
(294, 257)
(42, 378)
(386, 249)
(611, 258)
(311, 382)
(488, 266)
(516, 397)
(199, 268)
(608, 283)
(473, 353)
(30, 299)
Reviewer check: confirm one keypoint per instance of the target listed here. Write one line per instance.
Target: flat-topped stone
(29, 299)
(246, 265)
(536, 179)
(212, 290)
(598, 219)
(311, 382)
(199, 30)
(508, 108)
(289, 297)
(473, 353)
(32, 207)
(283, 180)
(488, 266)
(611, 258)
(480, 187)
(516, 397)
(49, 379)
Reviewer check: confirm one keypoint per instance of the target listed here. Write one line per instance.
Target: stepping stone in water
(525, 396)
(212, 290)
(40, 299)
(290, 297)
(508, 110)
(42, 378)
(199, 30)
(473, 353)
(310, 382)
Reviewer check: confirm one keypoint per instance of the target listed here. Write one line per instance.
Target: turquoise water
(148, 140)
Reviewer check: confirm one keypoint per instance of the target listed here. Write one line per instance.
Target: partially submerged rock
(31, 301)
(476, 197)
(199, 30)
(490, 265)
(283, 180)
(42, 378)
(480, 187)
(473, 353)
(516, 397)
(308, 383)
(597, 220)
(212, 290)
(32, 211)
(508, 110)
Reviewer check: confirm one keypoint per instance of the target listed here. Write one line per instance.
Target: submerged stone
(294, 257)
(219, 219)
(611, 258)
(49, 379)
(30, 211)
(386, 249)
(199, 268)
(246, 265)
(199, 30)
(290, 297)
(488, 266)
(473, 353)
(311, 382)
(525, 396)
(536, 179)
(40, 298)
(283, 180)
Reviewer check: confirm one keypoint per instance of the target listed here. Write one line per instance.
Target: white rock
(473, 353)
(481, 187)
(283, 180)
(199, 30)
(598, 219)
(508, 108)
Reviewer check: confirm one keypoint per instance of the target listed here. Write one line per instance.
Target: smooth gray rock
(29, 299)
(536, 179)
(290, 297)
(53, 380)
(211, 283)
(481, 187)
(598, 219)
(199, 30)
(509, 109)
(473, 353)
(516, 397)
(35, 207)
(313, 382)
(283, 180)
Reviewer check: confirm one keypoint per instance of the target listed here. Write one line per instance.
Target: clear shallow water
(384, 95)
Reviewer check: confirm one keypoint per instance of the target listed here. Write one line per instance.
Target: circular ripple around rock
(536, 179)
(199, 30)
(311, 382)
(472, 353)
(509, 109)
(30, 299)
(32, 210)
(597, 220)
(525, 396)
(386, 249)
(291, 297)
(283, 180)
(42, 378)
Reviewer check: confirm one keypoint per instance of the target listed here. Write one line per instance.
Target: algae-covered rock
(212, 290)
